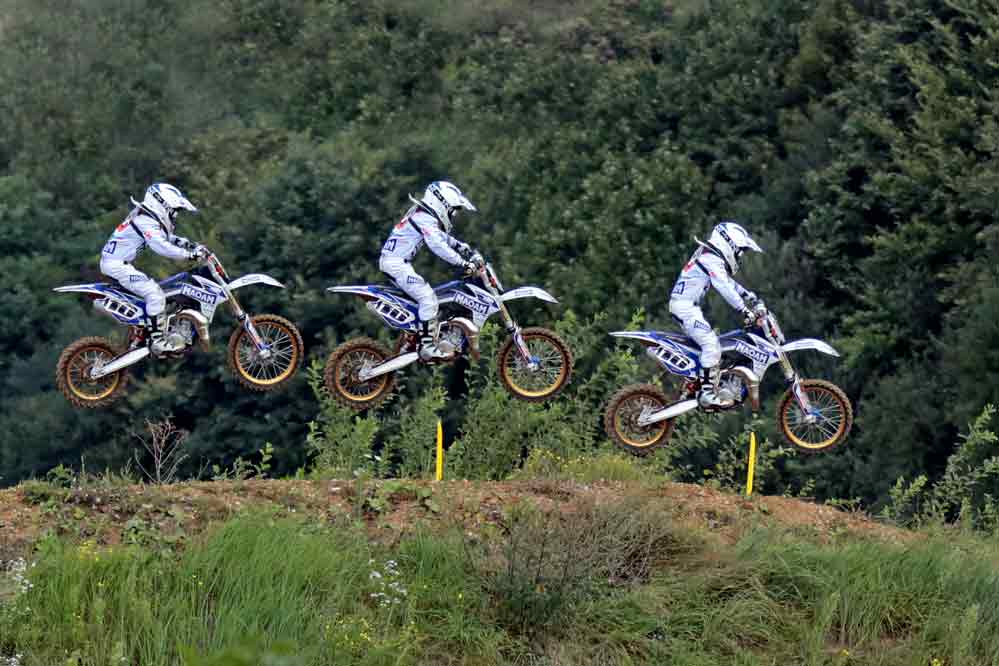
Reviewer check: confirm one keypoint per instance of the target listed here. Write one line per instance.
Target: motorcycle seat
(165, 283)
(396, 291)
(684, 339)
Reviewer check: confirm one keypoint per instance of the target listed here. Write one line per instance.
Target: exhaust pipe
(200, 323)
(123, 361)
(388, 366)
(471, 334)
(668, 412)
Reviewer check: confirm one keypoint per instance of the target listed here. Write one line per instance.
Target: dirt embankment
(174, 513)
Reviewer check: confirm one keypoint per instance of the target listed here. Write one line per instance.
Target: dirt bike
(534, 364)
(264, 352)
(814, 415)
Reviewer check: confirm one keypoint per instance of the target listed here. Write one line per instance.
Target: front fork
(247, 323)
(533, 362)
(799, 393)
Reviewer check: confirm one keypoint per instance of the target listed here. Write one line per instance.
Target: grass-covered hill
(530, 572)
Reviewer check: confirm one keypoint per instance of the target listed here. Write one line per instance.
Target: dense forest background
(857, 140)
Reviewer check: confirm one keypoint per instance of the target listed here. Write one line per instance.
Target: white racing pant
(697, 327)
(414, 285)
(137, 282)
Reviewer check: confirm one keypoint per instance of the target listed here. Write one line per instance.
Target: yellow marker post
(440, 451)
(752, 463)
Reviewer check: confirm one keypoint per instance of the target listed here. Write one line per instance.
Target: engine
(451, 340)
(733, 384)
(187, 327)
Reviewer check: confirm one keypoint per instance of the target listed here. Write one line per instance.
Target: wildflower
(18, 573)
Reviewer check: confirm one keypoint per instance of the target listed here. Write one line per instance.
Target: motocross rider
(712, 265)
(428, 221)
(150, 223)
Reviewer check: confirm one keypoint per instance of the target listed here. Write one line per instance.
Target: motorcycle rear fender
(95, 288)
(643, 336)
(255, 278)
(671, 355)
(810, 343)
(358, 290)
(528, 292)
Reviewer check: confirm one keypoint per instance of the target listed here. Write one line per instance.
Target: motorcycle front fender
(254, 278)
(528, 292)
(810, 343)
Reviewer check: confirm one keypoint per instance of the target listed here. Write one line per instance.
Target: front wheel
(342, 374)
(542, 376)
(621, 419)
(73, 374)
(259, 373)
(828, 424)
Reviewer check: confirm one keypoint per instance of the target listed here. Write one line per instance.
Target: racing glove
(199, 253)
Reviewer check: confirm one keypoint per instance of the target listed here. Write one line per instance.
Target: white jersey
(138, 231)
(416, 228)
(703, 271)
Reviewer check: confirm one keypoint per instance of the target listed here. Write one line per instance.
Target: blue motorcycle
(534, 364)
(264, 352)
(813, 415)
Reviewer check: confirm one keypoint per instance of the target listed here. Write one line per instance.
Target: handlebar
(211, 261)
(485, 272)
(767, 323)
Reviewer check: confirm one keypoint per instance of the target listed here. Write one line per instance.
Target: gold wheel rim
(76, 374)
(345, 371)
(284, 347)
(625, 412)
(830, 409)
(520, 365)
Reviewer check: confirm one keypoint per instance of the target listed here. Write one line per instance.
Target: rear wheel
(266, 374)
(830, 422)
(342, 374)
(621, 419)
(73, 374)
(544, 377)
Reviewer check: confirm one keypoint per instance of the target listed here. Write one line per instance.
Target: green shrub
(967, 490)
(542, 562)
(340, 440)
(603, 466)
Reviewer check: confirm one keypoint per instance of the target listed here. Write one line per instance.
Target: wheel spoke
(281, 358)
(551, 366)
(78, 374)
(828, 415)
(348, 374)
(626, 420)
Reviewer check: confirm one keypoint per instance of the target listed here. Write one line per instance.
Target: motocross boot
(710, 395)
(159, 343)
(429, 339)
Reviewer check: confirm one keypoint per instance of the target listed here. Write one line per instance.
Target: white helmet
(163, 202)
(730, 240)
(444, 200)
